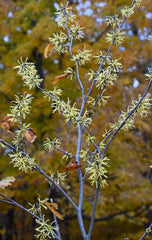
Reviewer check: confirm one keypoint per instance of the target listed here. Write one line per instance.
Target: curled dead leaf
(5, 126)
(52, 206)
(48, 50)
(7, 123)
(55, 205)
(71, 166)
(7, 119)
(59, 78)
(30, 135)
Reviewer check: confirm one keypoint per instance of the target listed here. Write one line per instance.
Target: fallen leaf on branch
(48, 50)
(52, 206)
(30, 135)
(59, 78)
(71, 166)
(7, 182)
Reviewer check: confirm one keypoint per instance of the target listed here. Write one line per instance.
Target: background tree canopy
(125, 207)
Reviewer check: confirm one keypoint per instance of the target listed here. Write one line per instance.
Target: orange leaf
(30, 135)
(48, 50)
(59, 78)
(71, 166)
(52, 207)
(55, 205)
(6, 181)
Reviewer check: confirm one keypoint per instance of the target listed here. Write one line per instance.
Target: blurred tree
(126, 203)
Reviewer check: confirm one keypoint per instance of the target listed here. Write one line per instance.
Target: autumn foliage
(75, 123)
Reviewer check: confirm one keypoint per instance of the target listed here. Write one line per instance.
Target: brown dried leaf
(9, 132)
(7, 119)
(30, 135)
(7, 182)
(48, 50)
(59, 78)
(4, 125)
(71, 166)
(53, 204)
(52, 207)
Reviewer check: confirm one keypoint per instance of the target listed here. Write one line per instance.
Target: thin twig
(12, 202)
(66, 153)
(97, 147)
(128, 116)
(46, 93)
(55, 184)
(38, 169)
(107, 53)
(98, 97)
(22, 141)
(145, 233)
(110, 216)
(56, 223)
(95, 152)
